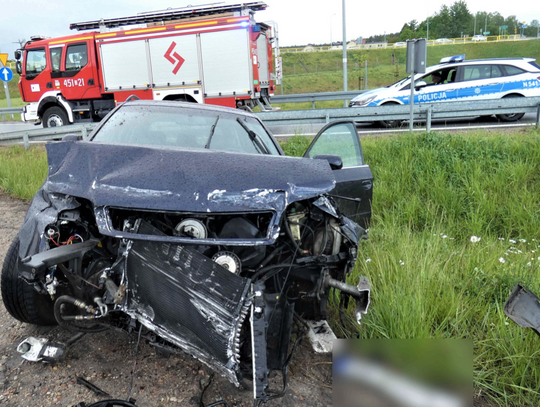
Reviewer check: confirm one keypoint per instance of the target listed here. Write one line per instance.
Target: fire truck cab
(208, 54)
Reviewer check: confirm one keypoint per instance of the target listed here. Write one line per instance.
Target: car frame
(463, 80)
(478, 38)
(443, 41)
(204, 239)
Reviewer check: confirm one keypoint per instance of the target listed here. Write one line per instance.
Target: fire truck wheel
(55, 117)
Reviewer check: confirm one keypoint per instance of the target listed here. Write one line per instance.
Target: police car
(455, 79)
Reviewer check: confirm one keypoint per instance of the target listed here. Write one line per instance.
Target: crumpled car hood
(189, 180)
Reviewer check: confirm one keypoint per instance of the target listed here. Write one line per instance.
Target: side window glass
(476, 72)
(341, 140)
(496, 71)
(513, 70)
(76, 57)
(35, 61)
(56, 55)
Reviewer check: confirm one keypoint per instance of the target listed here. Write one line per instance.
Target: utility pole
(345, 86)
(475, 22)
(427, 34)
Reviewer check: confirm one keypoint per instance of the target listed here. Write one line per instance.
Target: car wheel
(20, 299)
(389, 123)
(511, 117)
(55, 117)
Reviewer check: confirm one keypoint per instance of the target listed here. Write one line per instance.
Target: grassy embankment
(432, 192)
(326, 73)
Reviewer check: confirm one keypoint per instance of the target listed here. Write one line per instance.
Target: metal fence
(422, 113)
(10, 111)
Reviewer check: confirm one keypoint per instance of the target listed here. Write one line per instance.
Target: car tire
(54, 117)
(389, 123)
(511, 117)
(22, 302)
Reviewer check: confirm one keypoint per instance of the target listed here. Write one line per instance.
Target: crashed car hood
(190, 180)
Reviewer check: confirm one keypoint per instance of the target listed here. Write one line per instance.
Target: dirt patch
(106, 360)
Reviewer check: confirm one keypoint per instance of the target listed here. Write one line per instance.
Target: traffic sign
(6, 74)
(3, 59)
(504, 27)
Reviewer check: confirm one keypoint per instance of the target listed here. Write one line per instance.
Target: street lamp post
(475, 22)
(331, 17)
(345, 86)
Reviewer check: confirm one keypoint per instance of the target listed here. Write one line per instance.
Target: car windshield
(178, 126)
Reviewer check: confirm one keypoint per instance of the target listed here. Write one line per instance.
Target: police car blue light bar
(455, 58)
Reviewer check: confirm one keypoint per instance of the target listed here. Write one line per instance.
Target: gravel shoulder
(106, 359)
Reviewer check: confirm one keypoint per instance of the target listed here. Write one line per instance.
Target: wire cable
(134, 363)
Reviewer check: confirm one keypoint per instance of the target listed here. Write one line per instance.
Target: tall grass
(22, 172)
(432, 193)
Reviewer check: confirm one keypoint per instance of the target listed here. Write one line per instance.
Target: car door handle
(450, 90)
(366, 184)
(494, 83)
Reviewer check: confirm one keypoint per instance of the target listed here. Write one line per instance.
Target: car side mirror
(420, 85)
(335, 161)
(18, 55)
(72, 137)
(18, 67)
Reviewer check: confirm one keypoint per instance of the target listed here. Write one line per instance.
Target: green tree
(461, 19)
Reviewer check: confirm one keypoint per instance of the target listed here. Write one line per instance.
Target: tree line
(457, 21)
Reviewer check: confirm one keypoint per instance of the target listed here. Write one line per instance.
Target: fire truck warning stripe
(196, 24)
(72, 40)
(106, 35)
(146, 30)
(234, 20)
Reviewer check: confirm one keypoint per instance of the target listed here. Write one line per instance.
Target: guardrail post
(26, 143)
(84, 132)
(538, 116)
(428, 120)
(327, 118)
(313, 104)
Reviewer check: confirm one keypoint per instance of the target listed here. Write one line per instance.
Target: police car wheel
(511, 117)
(390, 123)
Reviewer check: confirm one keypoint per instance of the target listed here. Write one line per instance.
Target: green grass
(326, 75)
(22, 172)
(432, 192)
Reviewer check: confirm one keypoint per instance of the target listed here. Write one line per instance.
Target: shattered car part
(523, 307)
(40, 349)
(321, 336)
(188, 225)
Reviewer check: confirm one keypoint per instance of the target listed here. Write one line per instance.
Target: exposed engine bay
(225, 283)
(218, 302)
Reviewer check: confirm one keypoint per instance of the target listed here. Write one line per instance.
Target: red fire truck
(208, 54)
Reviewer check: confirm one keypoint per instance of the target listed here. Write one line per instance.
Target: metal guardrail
(52, 133)
(422, 112)
(11, 111)
(316, 97)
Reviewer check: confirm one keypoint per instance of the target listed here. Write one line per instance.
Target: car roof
(480, 61)
(189, 105)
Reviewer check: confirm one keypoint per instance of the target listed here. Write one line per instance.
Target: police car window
(476, 72)
(535, 65)
(76, 57)
(35, 61)
(56, 54)
(496, 71)
(513, 70)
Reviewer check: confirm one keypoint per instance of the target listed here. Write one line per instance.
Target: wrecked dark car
(187, 223)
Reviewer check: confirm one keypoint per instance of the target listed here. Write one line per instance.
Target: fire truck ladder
(170, 14)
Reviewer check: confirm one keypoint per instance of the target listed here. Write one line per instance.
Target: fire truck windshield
(35, 61)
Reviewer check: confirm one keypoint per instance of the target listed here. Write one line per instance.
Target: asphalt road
(363, 128)
(437, 125)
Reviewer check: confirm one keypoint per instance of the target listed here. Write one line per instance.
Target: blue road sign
(6, 74)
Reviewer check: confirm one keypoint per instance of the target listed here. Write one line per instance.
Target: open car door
(354, 181)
